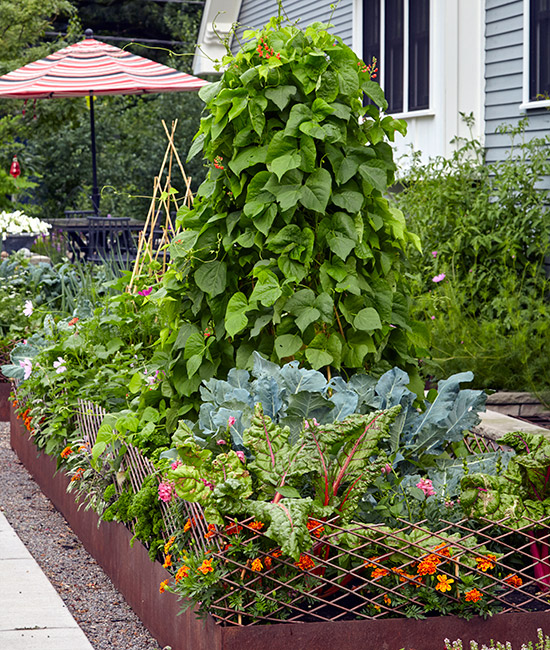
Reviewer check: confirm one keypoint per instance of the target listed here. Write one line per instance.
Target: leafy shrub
(291, 248)
(481, 279)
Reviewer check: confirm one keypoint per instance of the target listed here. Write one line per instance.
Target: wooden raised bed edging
(5, 390)
(138, 579)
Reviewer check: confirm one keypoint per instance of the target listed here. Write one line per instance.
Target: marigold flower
(233, 529)
(486, 563)
(167, 561)
(443, 549)
(267, 562)
(473, 596)
(379, 572)
(315, 528)
(305, 562)
(189, 524)
(66, 452)
(77, 475)
(73, 321)
(369, 563)
(257, 565)
(205, 567)
(163, 586)
(211, 531)
(427, 567)
(387, 599)
(513, 580)
(276, 553)
(256, 525)
(169, 544)
(443, 583)
(181, 573)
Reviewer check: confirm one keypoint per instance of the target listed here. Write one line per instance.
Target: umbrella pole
(95, 191)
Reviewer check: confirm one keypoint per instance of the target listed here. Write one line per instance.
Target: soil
(99, 609)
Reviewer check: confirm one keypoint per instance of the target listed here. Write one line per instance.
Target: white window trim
(528, 104)
(358, 47)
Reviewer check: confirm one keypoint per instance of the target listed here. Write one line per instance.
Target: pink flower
(59, 365)
(166, 491)
(176, 464)
(26, 364)
(28, 309)
(432, 317)
(231, 421)
(426, 486)
(386, 469)
(434, 253)
(314, 422)
(438, 278)
(221, 442)
(145, 292)
(240, 454)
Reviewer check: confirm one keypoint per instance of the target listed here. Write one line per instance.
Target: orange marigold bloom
(369, 562)
(427, 567)
(267, 562)
(182, 572)
(77, 475)
(233, 529)
(169, 544)
(513, 580)
(257, 565)
(205, 567)
(305, 562)
(486, 563)
(379, 572)
(443, 549)
(444, 583)
(407, 577)
(163, 586)
(211, 531)
(315, 527)
(66, 452)
(167, 561)
(387, 599)
(473, 596)
(256, 525)
(189, 524)
(276, 553)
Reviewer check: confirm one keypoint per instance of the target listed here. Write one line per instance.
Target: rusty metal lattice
(348, 583)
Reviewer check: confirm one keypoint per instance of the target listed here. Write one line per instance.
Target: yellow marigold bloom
(256, 525)
(167, 561)
(205, 567)
(387, 599)
(163, 586)
(169, 544)
(257, 565)
(444, 583)
(379, 572)
(513, 580)
(473, 596)
(486, 563)
(369, 562)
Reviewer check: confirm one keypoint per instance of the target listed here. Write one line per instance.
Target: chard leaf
(287, 523)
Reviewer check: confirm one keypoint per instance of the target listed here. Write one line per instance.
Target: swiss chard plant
(323, 472)
(520, 496)
(291, 247)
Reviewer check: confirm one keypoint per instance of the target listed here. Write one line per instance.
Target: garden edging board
(138, 579)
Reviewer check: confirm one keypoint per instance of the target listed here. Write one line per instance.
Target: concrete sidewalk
(32, 614)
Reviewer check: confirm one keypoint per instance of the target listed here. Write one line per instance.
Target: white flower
(26, 364)
(28, 309)
(18, 223)
(59, 365)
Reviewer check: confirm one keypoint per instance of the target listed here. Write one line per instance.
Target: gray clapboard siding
(256, 13)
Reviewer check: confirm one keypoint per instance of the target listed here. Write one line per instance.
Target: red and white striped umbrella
(91, 67)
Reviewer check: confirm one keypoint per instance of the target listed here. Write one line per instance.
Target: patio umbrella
(90, 68)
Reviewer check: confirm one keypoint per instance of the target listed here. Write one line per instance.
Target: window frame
(527, 102)
(406, 112)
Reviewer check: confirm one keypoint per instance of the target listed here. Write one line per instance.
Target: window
(397, 34)
(539, 49)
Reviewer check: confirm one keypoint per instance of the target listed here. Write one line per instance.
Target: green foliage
(486, 227)
(291, 248)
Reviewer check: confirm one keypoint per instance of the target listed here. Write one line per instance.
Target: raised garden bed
(5, 390)
(138, 579)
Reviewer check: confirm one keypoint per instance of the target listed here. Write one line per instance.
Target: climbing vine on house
(291, 248)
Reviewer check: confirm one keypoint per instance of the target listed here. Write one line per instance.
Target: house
(436, 58)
